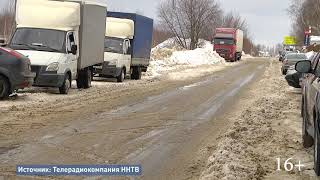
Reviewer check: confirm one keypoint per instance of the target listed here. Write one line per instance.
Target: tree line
(192, 20)
(304, 13)
(184, 19)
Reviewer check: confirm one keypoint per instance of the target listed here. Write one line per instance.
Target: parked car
(293, 77)
(314, 61)
(291, 59)
(15, 72)
(282, 55)
(311, 107)
(296, 79)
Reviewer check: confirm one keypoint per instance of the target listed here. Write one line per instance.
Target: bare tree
(189, 19)
(304, 14)
(7, 19)
(160, 35)
(234, 20)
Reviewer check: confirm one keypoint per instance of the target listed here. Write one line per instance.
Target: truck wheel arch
(68, 72)
(124, 69)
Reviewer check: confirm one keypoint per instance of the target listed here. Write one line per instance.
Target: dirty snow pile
(246, 56)
(267, 128)
(169, 56)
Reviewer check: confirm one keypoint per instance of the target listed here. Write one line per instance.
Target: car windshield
(39, 40)
(296, 57)
(114, 45)
(222, 41)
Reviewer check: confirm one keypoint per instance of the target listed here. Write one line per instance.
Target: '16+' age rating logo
(288, 165)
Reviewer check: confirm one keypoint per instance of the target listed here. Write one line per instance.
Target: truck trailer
(128, 44)
(64, 39)
(228, 43)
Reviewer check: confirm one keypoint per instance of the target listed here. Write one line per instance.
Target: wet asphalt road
(163, 133)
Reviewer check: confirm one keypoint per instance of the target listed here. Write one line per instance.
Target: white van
(63, 40)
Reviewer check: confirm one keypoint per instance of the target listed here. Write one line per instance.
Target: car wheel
(121, 77)
(64, 89)
(284, 72)
(316, 148)
(4, 88)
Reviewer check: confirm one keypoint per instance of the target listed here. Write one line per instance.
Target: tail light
(12, 53)
(285, 61)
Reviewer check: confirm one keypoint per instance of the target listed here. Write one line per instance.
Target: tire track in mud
(149, 130)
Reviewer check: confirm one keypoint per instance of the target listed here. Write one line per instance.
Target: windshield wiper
(45, 46)
(27, 45)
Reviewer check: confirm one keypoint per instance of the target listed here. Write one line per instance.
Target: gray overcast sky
(267, 19)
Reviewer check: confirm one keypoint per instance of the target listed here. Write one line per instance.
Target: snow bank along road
(165, 125)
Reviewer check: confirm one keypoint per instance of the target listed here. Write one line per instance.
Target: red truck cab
(228, 43)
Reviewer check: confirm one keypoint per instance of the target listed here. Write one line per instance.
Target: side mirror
(74, 49)
(303, 66)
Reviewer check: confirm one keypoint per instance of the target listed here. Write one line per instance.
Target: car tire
(4, 88)
(316, 148)
(122, 76)
(64, 89)
(284, 72)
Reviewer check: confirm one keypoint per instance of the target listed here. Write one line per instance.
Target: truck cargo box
(92, 33)
(142, 40)
(88, 15)
(119, 28)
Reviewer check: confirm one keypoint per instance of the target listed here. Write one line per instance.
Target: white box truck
(64, 39)
(128, 44)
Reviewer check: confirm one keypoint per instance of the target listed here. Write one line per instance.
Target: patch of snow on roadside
(199, 56)
(168, 56)
(246, 56)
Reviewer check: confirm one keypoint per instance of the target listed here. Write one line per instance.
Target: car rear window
(294, 57)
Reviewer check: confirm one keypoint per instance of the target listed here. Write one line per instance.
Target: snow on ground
(266, 128)
(246, 56)
(168, 56)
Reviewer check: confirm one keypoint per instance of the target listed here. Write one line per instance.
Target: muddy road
(164, 125)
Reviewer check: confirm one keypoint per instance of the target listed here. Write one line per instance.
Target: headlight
(53, 67)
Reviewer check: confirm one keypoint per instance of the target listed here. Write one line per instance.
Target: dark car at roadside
(296, 79)
(291, 59)
(293, 77)
(311, 107)
(15, 72)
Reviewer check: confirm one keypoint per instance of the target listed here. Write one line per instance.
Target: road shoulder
(267, 129)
